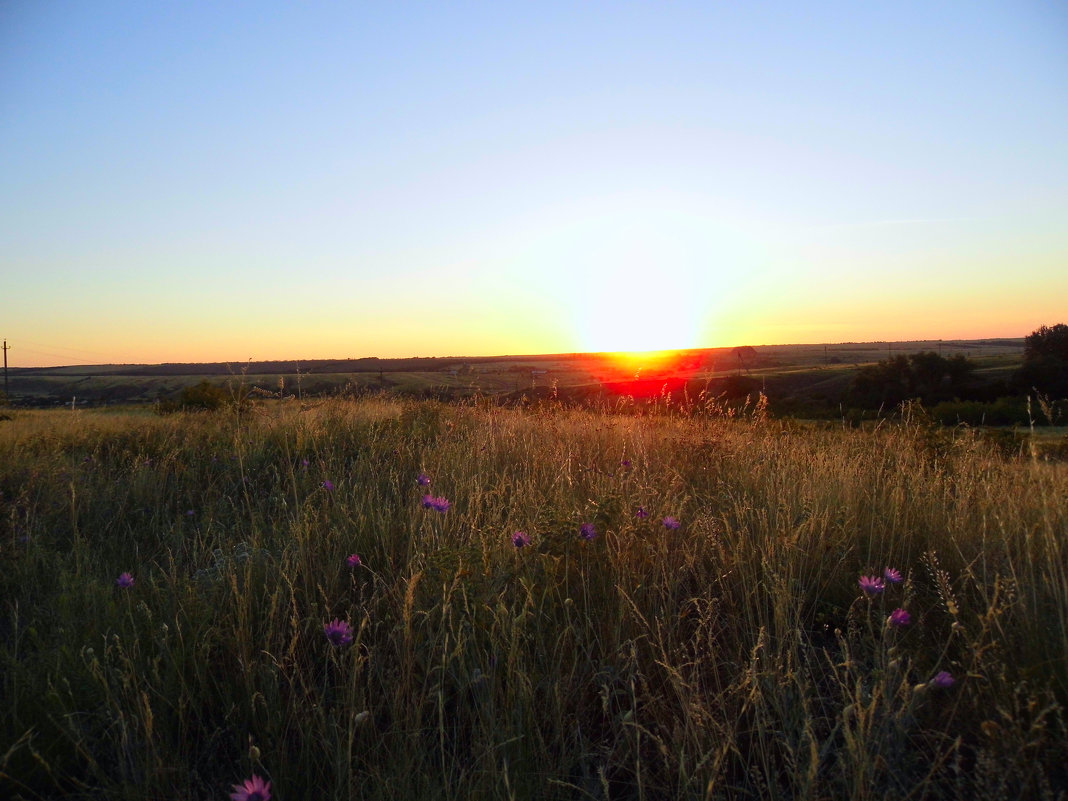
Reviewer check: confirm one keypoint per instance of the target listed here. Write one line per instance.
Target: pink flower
(641, 514)
(899, 618)
(671, 523)
(254, 789)
(943, 680)
(353, 560)
(125, 581)
(423, 480)
(328, 485)
(872, 585)
(892, 575)
(339, 632)
(520, 539)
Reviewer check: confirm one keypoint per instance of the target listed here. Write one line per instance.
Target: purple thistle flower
(125, 581)
(872, 585)
(254, 789)
(423, 480)
(641, 514)
(587, 531)
(892, 575)
(943, 680)
(671, 523)
(328, 485)
(437, 504)
(899, 618)
(353, 560)
(520, 539)
(339, 632)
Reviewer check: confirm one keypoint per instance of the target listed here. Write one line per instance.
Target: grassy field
(615, 656)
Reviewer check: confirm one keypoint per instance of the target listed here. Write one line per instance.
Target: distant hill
(802, 377)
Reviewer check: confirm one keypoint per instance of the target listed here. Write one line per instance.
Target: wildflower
(304, 463)
(520, 539)
(892, 575)
(339, 632)
(943, 680)
(353, 560)
(872, 585)
(641, 514)
(437, 504)
(587, 531)
(328, 485)
(254, 789)
(899, 618)
(671, 523)
(190, 513)
(626, 464)
(125, 581)
(423, 480)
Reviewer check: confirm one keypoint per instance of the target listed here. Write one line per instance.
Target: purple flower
(626, 464)
(328, 485)
(943, 680)
(671, 523)
(641, 514)
(587, 531)
(520, 539)
(892, 575)
(437, 504)
(353, 560)
(339, 632)
(125, 581)
(190, 513)
(872, 585)
(254, 789)
(423, 480)
(304, 463)
(899, 618)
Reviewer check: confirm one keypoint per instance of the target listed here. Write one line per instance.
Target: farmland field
(704, 603)
(794, 372)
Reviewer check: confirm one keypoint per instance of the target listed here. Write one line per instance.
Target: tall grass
(733, 658)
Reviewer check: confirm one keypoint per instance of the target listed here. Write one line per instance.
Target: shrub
(204, 396)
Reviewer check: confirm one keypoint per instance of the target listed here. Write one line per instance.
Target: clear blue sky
(223, 181)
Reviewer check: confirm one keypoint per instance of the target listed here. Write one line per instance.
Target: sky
(187, 181)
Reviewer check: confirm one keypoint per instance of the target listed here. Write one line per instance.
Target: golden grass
(733, 658)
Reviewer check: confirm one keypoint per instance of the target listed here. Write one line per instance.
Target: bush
(204, 396)
(1002, 412)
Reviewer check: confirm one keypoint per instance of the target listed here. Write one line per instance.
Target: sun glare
(628, 319)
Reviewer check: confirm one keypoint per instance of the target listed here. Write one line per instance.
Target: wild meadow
(382, 598)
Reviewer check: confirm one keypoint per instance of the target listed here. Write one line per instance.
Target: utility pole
(6, 349)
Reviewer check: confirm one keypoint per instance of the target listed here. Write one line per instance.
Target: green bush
(1002, 412)
(204, 396)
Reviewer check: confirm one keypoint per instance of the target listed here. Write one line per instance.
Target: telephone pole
(6, 349)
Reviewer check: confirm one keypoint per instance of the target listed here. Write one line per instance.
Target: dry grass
(734, 658)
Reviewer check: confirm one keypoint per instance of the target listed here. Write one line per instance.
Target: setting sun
(632, 314)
